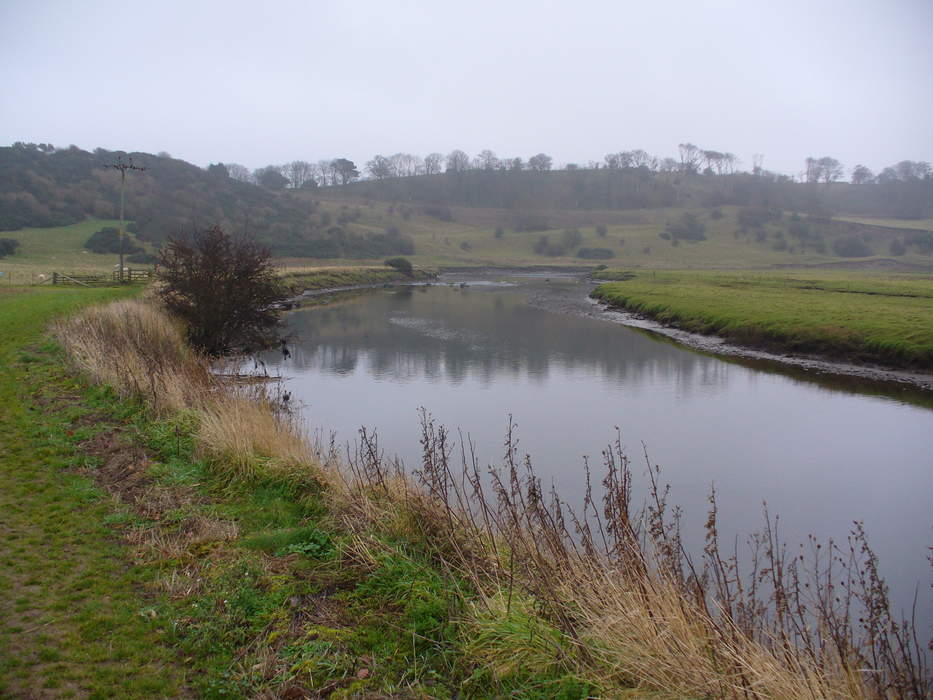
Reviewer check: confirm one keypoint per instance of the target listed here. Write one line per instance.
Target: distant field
(848, 315)
(470, 238)
(633, 236)
(919, 224)
(60, 249)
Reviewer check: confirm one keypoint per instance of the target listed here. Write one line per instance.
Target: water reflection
(482, 334)
(819, 454)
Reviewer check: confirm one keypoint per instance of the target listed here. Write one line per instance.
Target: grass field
(60, 249)
(167, 534)
(299, 279)
(633, 236)
(470, 239)
(71, 609)
(915, 224)
(847, 315)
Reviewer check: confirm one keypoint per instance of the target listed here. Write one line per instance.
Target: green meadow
(860, 317)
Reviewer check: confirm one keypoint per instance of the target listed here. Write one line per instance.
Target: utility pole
(123, 167)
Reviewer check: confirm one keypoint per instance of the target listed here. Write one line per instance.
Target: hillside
(45, 187)
(52, 200)
(642, 188)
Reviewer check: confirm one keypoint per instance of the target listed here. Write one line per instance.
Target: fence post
(54, 278)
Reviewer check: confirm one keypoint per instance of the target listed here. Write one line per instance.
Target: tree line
(691, 160)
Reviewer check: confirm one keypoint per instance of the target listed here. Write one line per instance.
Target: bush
(716, 214)
(851, 247)
(465, 245)
(572, 238)
(545, 246)
(224, 289)
(595, 253)
(688, 227)
(499, 232)
(401, 264)
(107, 240)
(601, 230)
(8, 246)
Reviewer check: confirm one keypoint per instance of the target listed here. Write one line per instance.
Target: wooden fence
(23, 278)
(130, 276)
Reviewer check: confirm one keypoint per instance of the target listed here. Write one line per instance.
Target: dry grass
(135, 348)
(603, 592)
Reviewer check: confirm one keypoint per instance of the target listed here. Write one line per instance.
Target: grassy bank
(73, 610)
(278, 568)
(849, 316)
(299, 279)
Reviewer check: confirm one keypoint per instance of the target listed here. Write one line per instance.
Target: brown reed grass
(604, 591)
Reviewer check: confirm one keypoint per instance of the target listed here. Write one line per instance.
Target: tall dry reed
(605, 590)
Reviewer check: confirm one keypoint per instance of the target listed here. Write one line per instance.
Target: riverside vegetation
(886, 319)
(276, 567)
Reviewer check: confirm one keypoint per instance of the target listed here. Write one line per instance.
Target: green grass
(60, 249)
(917, 224)
(853, 316)
(199, 586)
(299, 279)
(72, 617)
(633, 236)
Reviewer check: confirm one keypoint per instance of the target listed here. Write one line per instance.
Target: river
(820, 451)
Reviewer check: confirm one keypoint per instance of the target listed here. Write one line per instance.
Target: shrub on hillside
(225, 289)
(8, 246)
(687, 227)
(107, 240)
(851, 247)
(601, 230)
(403, 265)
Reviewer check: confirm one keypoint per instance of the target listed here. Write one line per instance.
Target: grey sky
(261, 83)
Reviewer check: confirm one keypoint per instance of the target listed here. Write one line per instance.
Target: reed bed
(603, 590)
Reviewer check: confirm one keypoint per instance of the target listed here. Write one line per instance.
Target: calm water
(819, 456)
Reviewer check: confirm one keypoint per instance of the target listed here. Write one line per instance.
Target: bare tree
(432, 163)
(380, 167)
(637, 158)
(488, 160)
(299, 172)
(323, 171)
(813, 169)
(457, 161)
(830, 169)
(758, 161)
(690, 157)
(239, 172)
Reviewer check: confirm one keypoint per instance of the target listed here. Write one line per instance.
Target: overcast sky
(261, 83)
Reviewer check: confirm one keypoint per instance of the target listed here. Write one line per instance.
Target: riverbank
(844, 323)
(299, 280)
(278, 567)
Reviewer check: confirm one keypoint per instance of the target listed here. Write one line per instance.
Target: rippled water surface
(821, 456)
